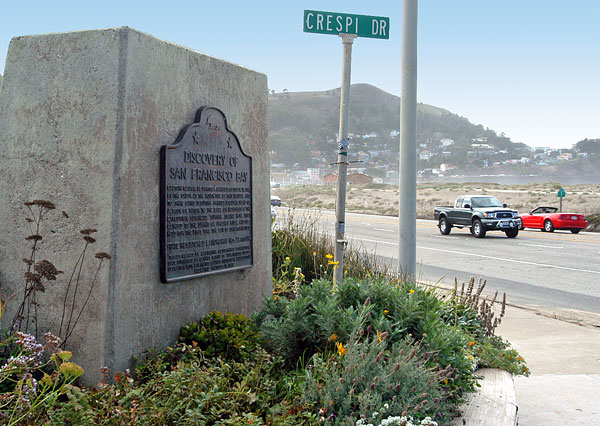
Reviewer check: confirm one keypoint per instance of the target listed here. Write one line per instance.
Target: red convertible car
(548, 219)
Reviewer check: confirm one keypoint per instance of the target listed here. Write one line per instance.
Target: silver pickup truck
(480, 213)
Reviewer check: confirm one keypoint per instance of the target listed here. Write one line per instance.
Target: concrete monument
(83, 117)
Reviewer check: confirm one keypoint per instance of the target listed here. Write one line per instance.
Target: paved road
(537, 268)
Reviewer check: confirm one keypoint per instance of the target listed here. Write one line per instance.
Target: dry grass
(383, 199)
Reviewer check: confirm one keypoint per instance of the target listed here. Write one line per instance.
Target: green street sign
(561, 193)
(342, 23)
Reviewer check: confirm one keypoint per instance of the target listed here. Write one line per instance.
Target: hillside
(302, 122)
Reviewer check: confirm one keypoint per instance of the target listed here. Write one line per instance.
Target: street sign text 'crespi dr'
(342, 23)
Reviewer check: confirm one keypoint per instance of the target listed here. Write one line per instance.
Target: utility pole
(407, 212)
(342, 159)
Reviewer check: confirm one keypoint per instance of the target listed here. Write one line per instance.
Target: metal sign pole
(407, 212)
(340, 206)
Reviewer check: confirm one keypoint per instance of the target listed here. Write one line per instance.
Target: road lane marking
(372, 241)
(540, 245)
(524, 262)
(380, 229)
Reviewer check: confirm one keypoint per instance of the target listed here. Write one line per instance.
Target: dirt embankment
(384, 199)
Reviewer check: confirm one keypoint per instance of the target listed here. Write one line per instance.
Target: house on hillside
(359, 178)
(351, 179)
(280, 179)
(565, 157)
(314, 174)
(424, 155)
(445, 167)
(330, 179)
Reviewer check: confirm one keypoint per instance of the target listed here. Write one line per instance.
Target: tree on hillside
(290, 149)
(591, 146)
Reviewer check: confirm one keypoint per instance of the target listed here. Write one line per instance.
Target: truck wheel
(478, 229)
(512, 233)
(548, 226)
(444, 226)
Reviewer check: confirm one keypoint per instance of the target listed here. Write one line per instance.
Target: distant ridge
(308, 120)
(303, 128)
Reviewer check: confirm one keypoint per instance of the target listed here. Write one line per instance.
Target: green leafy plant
(227, 335)
(28, 391)
(495, 352)
(298, 328)
(372, 380)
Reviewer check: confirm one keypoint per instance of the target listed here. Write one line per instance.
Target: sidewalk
(564, 358)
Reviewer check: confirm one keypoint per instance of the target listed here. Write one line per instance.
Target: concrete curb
(493, 404)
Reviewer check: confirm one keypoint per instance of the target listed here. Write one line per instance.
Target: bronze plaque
(205, 201)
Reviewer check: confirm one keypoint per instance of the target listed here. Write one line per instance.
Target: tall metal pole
(407, 213)
(340, 206)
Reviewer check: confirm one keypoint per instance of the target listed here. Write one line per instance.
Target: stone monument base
(83, 116)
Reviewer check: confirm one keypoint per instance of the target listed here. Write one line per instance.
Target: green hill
(302, 122)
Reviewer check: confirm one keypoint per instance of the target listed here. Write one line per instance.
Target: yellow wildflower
(70, 370)
(341, 349)
(471, 343)
(329, 256)
(411, 291)
(379, 338)
(65, 355)
(47, 380)
(333, 337)
(385, 311)
(314, 253)
(470, 357)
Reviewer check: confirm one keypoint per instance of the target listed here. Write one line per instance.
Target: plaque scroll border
(163, 202)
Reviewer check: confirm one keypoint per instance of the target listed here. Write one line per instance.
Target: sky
(528, 69)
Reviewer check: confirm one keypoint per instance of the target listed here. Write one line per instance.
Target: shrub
(230, 336)
(372, 380)
(201, 390)
(494, 352)
(298, 328)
